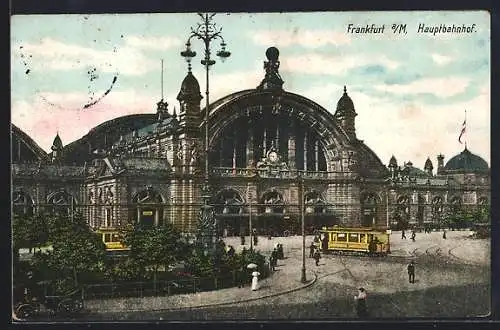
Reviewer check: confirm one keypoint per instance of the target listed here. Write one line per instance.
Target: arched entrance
(229, 211)
(61, 203)
(369, 204)
(271, 211)
(149, 208)
(22, 204)
(316, 215)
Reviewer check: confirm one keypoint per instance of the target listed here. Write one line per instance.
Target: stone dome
(345, 106)
(466, 162)
(190, 89)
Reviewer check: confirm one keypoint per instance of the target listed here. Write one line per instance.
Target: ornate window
(149, 207)
(314, 203)
(61, 203)
(22, 203)
(369, 209)
(273, 202)
(455, 204)
(437, 207)
(228, 201)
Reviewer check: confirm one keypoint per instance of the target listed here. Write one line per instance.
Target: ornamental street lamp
(302, 218)
(206, 31)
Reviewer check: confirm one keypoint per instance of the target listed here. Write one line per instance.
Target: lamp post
(206, 31)
(302, 218)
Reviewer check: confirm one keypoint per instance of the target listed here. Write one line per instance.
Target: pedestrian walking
(281, 254)
(272, 264)
(411, 272)
(403, 235)
(274, 258)
(444, 234)
(242, 238)
(231, 251)
(361, 303)
(311, 250)
(317, 256)
(255, 240)
(255, 280)
(241, 276)
(413, 235)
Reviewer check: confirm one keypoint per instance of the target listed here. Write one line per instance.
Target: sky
(412, 91)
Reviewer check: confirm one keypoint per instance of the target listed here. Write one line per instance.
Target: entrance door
(147, 218)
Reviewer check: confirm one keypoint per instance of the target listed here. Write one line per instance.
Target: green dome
(466, 162)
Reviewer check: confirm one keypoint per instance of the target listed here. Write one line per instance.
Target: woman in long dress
(255, 280)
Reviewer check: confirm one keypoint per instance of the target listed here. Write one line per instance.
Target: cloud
(410, 130)
(441, 59)
(304, 38)
(441, 87)
(313, 63)
(159, 43)
(48, 113)
(54, 55)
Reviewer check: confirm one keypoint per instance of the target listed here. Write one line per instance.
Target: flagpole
(465, 121)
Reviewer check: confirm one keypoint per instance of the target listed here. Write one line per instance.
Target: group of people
(276, 254)
(254, 235)
(413, 234)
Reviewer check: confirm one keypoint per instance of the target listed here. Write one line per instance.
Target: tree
(29, 232)
(77, 250)
(154, 248)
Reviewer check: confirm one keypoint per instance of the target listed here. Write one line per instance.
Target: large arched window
(228, 201)
(22, 203)
(402, 212)
(149, 207)
(455, 204)
(420, 209)
(314, 203)
(369, 203)
(437, 207)
(61, 203)
(273, 202)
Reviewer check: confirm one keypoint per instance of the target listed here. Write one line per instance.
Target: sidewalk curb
(308, 284)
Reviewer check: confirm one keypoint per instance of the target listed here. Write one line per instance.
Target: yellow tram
(111, 238)
(358, 240)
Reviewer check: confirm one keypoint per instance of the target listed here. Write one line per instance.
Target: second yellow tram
(358, 240)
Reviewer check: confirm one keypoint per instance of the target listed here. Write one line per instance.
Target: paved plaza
(452, 280)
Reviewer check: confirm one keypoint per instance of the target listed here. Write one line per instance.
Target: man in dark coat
(242, 275)
(274, 259)
(361, 303)
(411, 272)
(403, 235)
(311, 250)
(317, 256)
(413, 235)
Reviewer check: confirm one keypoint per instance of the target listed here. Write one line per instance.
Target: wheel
(77, 305)
(25, 311)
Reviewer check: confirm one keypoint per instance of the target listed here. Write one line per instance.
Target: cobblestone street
(452, 280)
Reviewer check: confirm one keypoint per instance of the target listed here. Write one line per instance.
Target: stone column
(316, 155)
(250, 144)
(291, 145)
(305, 149)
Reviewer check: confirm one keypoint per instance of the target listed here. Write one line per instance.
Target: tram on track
(111, 238)
(367, 241)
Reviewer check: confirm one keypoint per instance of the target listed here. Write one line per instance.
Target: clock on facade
(273, 156)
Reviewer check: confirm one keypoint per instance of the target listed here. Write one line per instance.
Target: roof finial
(345, 89)
(189, 66)
(175, 113)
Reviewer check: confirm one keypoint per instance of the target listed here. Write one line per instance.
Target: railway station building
(271, 154)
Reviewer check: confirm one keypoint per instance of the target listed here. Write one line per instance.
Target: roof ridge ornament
(272, 79)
